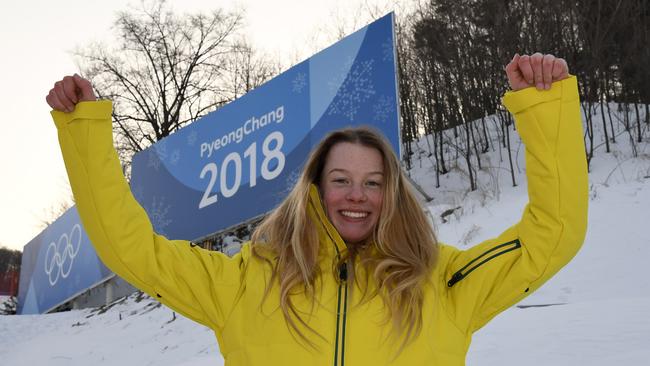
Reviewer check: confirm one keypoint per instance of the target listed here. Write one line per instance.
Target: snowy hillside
(594, 312)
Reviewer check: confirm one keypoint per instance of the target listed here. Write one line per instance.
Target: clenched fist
(537, 70)
(69, 91)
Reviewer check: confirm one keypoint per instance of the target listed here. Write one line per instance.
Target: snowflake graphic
(192, 137)
(299, 82)
(337, 79)
(387, 50)
(158, 214)
(356, 89)
(175, 157)
(153, 161)
(383, 108)
(291, 180)
(161, 150)
(157, 154)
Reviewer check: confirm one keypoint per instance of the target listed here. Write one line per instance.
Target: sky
(37, 38)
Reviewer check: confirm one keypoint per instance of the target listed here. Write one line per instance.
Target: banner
(57, 265)
(240, 161)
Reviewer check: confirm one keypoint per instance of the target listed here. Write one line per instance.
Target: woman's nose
(356, 193)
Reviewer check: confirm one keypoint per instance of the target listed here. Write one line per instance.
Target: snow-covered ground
(595, 311)
(602, 296)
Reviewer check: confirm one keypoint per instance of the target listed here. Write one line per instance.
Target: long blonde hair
(399, 255)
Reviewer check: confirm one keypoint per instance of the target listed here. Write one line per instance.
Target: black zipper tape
(343, 277)
(459, 275)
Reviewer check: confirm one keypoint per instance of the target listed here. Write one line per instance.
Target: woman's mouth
(354, 214)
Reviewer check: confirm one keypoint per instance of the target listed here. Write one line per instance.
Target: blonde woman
(347, 270)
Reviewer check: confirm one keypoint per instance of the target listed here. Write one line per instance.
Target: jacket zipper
(341, 315)
(341, 318)
(497, 251)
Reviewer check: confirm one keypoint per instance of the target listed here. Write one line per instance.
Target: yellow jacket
(466, 290)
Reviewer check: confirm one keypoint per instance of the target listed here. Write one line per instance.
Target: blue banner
(57, 265)
(240, 161)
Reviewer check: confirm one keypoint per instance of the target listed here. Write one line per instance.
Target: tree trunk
(638, 123)
(601, 98)
(512, 168)
(486, 148)
(478, 156)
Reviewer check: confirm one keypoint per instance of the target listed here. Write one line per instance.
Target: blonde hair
(399, 255)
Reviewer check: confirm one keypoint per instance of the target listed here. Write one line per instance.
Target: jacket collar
(325, 227)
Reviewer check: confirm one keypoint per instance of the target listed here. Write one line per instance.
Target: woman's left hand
(536, 70)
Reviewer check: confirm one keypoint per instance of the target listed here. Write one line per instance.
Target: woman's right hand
(69, 91)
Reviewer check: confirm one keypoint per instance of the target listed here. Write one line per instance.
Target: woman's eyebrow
(341, 170)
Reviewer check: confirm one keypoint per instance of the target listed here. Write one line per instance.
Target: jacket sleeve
(492, 276)
(200, 284)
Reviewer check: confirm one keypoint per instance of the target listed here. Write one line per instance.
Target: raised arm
(199, 284)
(490, 277)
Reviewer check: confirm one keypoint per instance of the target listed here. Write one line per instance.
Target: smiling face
(352, 188)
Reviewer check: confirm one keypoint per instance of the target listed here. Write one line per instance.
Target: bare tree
(55, 211)
(452, 76)
(58, 207)
(169, 70)
(9, 259)
(245, 70)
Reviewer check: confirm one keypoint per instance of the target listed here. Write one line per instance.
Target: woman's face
(352, 188)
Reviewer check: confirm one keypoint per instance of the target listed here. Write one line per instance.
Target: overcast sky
(36, 39)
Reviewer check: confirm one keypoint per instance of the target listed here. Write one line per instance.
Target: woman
(347, 269)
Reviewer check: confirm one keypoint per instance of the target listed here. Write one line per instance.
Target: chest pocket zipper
(482, 259)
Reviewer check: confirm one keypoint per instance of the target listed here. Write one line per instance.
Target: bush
(8, 307)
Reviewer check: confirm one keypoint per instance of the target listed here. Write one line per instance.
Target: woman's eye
(373, 183)
(340, 180)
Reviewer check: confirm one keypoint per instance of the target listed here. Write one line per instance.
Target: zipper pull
(343, 272)
(455, 278)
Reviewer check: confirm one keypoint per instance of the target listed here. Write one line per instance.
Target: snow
(594, 311)
(130, 333)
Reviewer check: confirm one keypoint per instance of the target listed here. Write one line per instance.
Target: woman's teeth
(355, 215)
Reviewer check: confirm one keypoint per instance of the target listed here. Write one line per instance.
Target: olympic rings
(60, 255)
